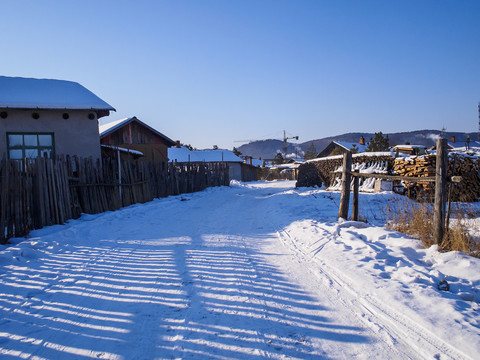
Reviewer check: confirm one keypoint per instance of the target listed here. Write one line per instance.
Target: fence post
(355, 198)
(345, 198)
(440, 191)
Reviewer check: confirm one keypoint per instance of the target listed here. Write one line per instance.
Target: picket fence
(41, 192)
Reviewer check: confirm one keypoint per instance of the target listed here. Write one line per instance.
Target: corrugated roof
(28, 93)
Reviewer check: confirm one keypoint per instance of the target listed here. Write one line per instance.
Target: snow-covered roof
(112, 126)
(350, 146)
(405, 146)
(107, 129)
(462, 145)
(183, 154)
(130, 151)
(27, 93)
(285, 166)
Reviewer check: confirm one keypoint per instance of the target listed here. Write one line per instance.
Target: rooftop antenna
(442, 134)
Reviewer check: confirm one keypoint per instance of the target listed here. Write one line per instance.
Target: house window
(30, 145)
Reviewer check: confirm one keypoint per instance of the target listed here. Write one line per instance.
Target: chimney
(250, 160)
(362, 141)
(452, 138)
(177, 144)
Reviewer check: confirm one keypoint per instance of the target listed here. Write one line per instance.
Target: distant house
(410, 149)
(237, 168)
(463, 145)
(258, 162)
(133, 134)
(341, 147)
(44, 117)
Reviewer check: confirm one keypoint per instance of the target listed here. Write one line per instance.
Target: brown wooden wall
(137, 137)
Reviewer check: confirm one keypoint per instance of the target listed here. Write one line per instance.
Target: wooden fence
(44, 192)
(440, 179)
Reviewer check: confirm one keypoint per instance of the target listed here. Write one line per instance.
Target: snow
(136, 152)
(366, 184)
(28, 93)
(104, 128)
(183, 154)
(349, 146)
(407, 146)
(254, 270)
(366, 154)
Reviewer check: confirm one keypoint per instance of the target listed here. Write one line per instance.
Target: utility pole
(285, 145)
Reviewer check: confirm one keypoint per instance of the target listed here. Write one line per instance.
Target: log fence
(41, 192)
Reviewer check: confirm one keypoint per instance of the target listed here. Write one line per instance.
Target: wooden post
(119, 159)
(355, 198)
(345, 198)
(440, 191)
(449, 198)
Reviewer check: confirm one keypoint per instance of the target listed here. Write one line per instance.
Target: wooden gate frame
(440, 180)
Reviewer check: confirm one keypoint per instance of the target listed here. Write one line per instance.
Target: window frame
(23, 147)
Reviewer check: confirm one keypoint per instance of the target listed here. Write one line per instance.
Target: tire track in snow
(396, 329)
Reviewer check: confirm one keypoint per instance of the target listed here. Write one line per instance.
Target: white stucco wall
(78, 135)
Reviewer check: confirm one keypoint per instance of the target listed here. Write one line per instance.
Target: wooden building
(408, 149)
(341, 147)
(131, 133)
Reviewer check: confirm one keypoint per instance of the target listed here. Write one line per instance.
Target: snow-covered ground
(251, 271)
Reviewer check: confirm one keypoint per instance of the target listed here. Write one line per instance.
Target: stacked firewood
(417, 166)
(468, 167)
(328, 165)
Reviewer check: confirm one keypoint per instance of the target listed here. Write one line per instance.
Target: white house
(45, 117)
(237, 168)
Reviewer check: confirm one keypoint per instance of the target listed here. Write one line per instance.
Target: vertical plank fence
(41, 192)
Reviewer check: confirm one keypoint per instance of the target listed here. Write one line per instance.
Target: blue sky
(212, 72)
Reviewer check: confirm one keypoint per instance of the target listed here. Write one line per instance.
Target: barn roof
(28, 93)
(107, 129)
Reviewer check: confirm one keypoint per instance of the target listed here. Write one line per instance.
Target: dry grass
(416, 220)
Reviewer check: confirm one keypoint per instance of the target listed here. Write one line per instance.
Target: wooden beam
(395, 177)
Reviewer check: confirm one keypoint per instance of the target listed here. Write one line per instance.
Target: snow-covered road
(229, 273)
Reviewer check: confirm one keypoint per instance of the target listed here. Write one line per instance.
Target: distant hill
(266, 149)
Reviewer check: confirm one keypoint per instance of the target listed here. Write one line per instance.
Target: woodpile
(326, 166)
(308, 175)
(463, 165)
